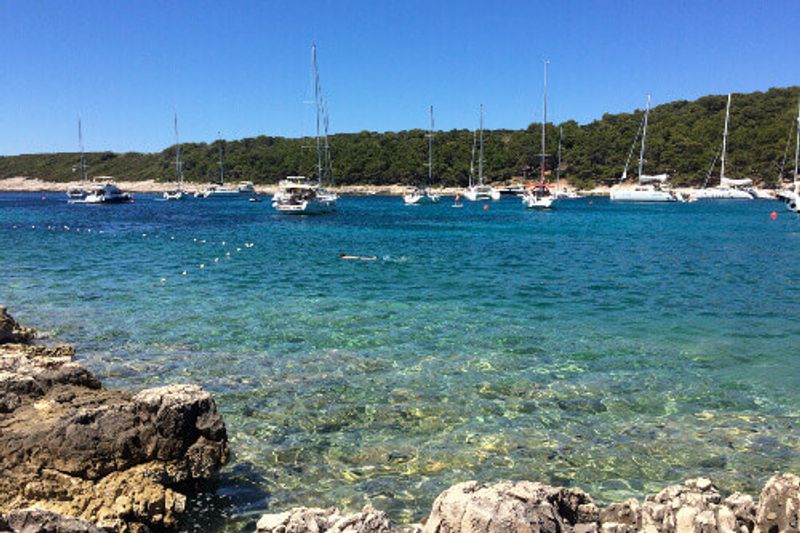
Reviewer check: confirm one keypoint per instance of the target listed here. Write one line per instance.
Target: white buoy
(202, 265)
(163, 280)
(172, 238)
(183, 273)
(238, 249)
(227, 254)
(216, 259)
(144, 234)
(195, 239)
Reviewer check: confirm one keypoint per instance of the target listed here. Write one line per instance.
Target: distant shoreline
(27, 184)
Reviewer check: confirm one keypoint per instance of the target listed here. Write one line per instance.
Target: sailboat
(728, 189)
(423, 195)
(80, 192)
(176, 194)
(219, 190)
(302, 195)
(538, 195)
(792, 197)
(650, 188)
(480, 191)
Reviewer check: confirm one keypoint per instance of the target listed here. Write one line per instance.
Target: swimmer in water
(359, 257)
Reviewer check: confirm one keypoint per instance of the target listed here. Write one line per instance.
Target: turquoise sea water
(617, 348)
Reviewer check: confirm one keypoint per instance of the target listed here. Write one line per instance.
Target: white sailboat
(176, 194)
(792, 197)
(219, 190)
(80, 192)
(728, 189)
(649, 188)
(480, 191)
(300, 194)
(538, 195)
(423, 195)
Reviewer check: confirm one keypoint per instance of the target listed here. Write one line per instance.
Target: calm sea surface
(613, 347)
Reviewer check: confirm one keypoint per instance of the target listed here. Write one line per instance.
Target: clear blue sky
(242, 68)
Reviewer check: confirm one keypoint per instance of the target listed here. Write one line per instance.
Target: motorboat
(301, 195)
(105, 194)
(538, 196)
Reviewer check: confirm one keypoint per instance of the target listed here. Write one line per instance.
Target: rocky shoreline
(75, 457)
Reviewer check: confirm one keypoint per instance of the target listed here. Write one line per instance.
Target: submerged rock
(115, 460)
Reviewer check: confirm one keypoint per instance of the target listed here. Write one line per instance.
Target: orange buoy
(773, 215)
(485, 207)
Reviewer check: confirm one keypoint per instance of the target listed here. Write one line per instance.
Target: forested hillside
(683, 139)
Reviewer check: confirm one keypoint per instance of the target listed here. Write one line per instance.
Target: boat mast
(82, 168)
(430, 150)
(328, 162)
(178, 169)
(221, 161)
(797, 154)
(725, 141)
(544, 120)
(480, 152)
(644, 138)
(558, 168)
(315, 71)
(472, 160)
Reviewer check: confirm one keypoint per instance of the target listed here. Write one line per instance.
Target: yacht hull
(643, 196)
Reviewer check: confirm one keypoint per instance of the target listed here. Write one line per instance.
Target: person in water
(359, 257)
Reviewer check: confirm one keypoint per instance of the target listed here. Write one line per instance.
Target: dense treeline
(683, 139)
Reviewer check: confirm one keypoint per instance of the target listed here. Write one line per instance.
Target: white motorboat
(105, 194)
(300, 195)
(477, 192)
(728, 189)
(80, 192)
(423, 195)
(538, 195)
(649, 188)
(178, 193)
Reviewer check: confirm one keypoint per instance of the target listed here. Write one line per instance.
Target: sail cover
(735, 183)
(660, 178)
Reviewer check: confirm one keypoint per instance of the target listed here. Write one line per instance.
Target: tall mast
(472, 160)
(82, 168)
(328, 162)
(558, 168)
(480, 152)
(430, 150)
(797, 153)
(221, 161)
(315, 71)
(178, 169)
(544, 120)
(725, 140)
(644, 138)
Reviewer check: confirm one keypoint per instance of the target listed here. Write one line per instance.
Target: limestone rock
(508, 506)
(316, 520)
(779, 505)
(110, 458)
(10, 331)
(42, 521)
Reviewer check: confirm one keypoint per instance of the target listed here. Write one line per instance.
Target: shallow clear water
(615, 347)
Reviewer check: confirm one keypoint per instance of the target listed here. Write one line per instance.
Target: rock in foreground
(100, 458)
(523, 506)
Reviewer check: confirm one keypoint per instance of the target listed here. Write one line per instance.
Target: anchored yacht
(423, 195)
(649, 188)
(538, 195)
(477, 192)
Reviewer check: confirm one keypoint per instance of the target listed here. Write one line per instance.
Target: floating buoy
(238, 249)
(202, 265)
(227, 254)
(144, 234)
(172, 238)
(216, 259)
(195, 239)
(183, 273)
(773, 215)
(163, 280)
(44, 198)
(223, 243)
(485, 207)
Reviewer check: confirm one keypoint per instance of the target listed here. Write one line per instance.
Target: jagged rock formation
(75, 456)
(524, 506)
